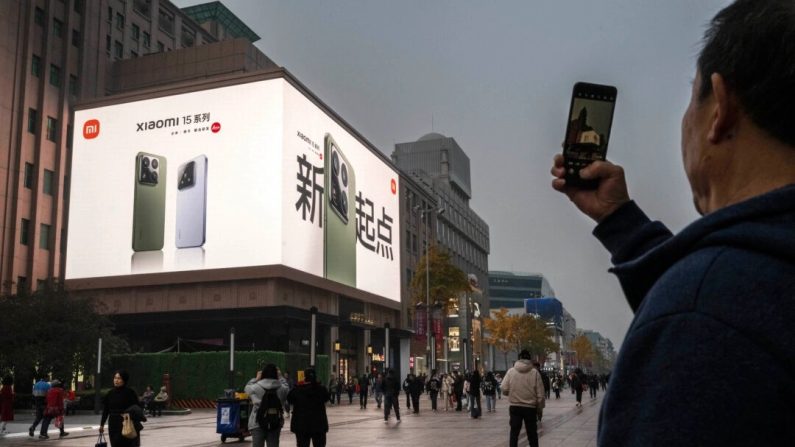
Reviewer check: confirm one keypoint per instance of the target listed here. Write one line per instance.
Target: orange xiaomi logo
(91, 129)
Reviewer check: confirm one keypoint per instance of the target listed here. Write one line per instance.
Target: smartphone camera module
(187, 177)
(339, 186)
(149, 171)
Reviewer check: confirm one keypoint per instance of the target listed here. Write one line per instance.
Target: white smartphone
(192, 203)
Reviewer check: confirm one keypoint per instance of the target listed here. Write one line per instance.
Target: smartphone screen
(588, 129)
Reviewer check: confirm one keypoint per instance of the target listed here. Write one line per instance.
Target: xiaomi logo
(91, 129)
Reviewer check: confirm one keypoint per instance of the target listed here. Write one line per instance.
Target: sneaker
(44, 437)
(30, 432)
(66, 433)
(398, 421)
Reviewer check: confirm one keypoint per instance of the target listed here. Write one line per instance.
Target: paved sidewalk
(563, 425)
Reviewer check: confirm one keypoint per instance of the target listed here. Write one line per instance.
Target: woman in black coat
(119, 400)
(308, 402)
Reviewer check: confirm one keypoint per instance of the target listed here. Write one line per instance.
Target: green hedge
(205, 375)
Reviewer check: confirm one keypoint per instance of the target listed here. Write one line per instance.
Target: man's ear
(725, 111)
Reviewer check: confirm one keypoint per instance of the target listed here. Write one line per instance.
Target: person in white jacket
(525, 390)
(267, 379)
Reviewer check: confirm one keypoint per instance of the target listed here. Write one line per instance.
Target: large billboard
(246, 175)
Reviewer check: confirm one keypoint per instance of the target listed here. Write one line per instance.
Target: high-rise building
(54, 53)
(510, 289)
(441, 168)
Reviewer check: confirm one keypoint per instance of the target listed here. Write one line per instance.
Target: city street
(563, 425)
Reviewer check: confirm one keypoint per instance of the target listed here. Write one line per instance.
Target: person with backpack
(407, 388)
(391, 395)
(434, 386)
(268, 395)
(308, 401)
(489, 388)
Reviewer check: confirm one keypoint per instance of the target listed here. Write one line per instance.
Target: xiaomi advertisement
(247, 175)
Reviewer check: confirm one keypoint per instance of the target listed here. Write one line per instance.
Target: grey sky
(497, 76)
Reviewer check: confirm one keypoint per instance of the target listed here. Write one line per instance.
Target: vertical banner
(421, 316)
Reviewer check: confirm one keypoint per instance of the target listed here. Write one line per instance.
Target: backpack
(434, 385)
(270, 414)
(488, 387)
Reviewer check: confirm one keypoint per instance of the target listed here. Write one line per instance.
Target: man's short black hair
(750, 44)
(525, 354)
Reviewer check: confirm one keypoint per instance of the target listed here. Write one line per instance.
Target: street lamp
(369, 359)
(337, 351)
(424, 212)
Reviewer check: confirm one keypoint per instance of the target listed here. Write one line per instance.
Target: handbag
(128, 429)
(101, 441)
(59, 421)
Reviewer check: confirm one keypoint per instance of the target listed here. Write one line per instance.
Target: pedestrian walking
(544, 379)
(447, 391)
(578, 385)
(290, 384)
(308, 402)
(407, 388)
(433, 388)
(415, 389)
(364, 385)
(458, 389)
(332, 389)
(556, 387)
(119, 400)
(54, 410)
(351, 389)
(593, 385)
(6, 404)
(498, 378)
(489, 388)
(391, 395)
(474, 395)
(522, 384)
(379, 390)
(40, 390)
(268, 395)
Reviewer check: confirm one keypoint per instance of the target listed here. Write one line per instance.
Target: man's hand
(102, 429)
(595, 203)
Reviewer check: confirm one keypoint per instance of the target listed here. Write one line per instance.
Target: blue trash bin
(232, 418)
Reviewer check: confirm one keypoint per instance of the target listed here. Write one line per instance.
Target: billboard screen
(247, 175)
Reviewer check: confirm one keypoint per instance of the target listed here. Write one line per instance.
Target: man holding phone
(715, 304)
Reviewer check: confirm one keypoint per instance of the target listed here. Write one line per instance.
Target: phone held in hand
(588, 130)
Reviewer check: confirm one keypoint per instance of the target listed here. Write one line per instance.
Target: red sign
(216, 127)
(91, 129)
(394, 186)
(422, 321)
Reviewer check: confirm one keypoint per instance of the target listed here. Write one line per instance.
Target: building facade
(439, 166)
(55, 53)
(510, 289)
(63, 54)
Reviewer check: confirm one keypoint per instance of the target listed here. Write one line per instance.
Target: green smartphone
(149, 203)
(339, 237)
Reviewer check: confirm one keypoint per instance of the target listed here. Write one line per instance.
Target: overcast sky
(497, 77)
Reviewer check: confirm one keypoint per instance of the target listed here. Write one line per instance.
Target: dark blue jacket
(709, 359)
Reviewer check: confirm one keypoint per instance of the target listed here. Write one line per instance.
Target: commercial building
(53, 53)
(442, 169)
(601, 344)
(510, 289)
(531, 293)
(79, 76)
